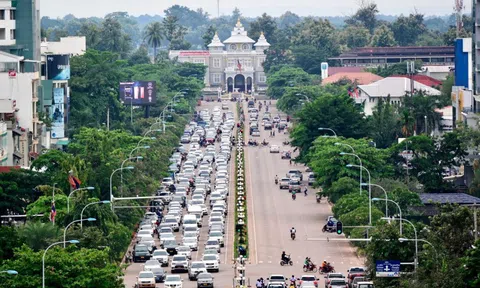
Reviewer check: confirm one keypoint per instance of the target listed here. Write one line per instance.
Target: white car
(212, 262)
(216, 220)
(146, 279)
(172, 221)
(166, 236)
(218, 235)
(167, 181)
(161, 256)
(191, 242)
(195, 268)
(212, 244)
(173, 281)
(185, 251)
(274, 149)
(211, 252)
(150, 264)
(179, 263)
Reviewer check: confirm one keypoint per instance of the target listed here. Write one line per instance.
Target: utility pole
(218, 8)
(475, 221)
(108, 118)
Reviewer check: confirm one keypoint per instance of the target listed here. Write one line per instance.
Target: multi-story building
(19, 81)
(239, 67)
(54, 100)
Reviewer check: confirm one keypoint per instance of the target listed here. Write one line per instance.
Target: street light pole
(305, 96)
(399, 210)
(369, 192)
(386, 199)
(416, 238)
(73, 222)
(80, 189)
(81, 213)
(10, 272)
(121, 172)
(421, 240)
(329, 129)
(111, 177)
(361, 166)
(44, 253)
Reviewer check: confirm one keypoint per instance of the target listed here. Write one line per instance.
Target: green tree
(471, 262)
(113, 38)
(64, 268)
(38, 235)
(355, 36)
(406, 30)
(154, 36)
(265, 24)
(334, 110)
(9, 240)
(140, 56)
(360, 217)
(18, 189)
(394, 69)
(288, 19)
(366, 15)
(421, 105)
(286, 77)
(431, 157)
(91, 31)
(349, 202)
(295, 97)
(383, 37)
(329, 166)
(341, 187)
(208, 36)
(385, 124)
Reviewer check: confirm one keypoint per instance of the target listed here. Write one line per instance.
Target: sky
(249, 8)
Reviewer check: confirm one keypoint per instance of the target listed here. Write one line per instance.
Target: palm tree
(154, 36)
(39, 235)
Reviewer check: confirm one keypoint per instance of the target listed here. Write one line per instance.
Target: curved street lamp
(121, 172)
(369, 192)
(79, 189)
(71, 223)
(10, 272)
(44, 253)
(361, 166)
(328, 129)
(89, 204)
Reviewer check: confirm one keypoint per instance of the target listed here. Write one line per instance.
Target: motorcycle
(265, 143)
(292, 235)
(276, 181)
(286, 143)
(294, 196)
(326, 270)
(286, 261)
(312, 268)
(319, 199)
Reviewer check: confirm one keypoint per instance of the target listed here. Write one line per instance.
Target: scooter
(294, 196)
(286, 261)
(319, 198)
(276, 181)
(292, 235)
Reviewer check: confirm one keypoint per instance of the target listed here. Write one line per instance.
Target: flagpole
(53, 201)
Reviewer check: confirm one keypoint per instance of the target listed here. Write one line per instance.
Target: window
(233, 47)
(216, 78)
(248, 62)
(199, 61)
(12, 14)
(2, 14)
(245, 47)
(216, 62)
(231, 62)
(2, 34)
(260, 61)
(262, 78)
(12, 34)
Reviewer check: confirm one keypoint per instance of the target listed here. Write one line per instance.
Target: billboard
(57, 114)
(390, 268)
(58, 67)
(138, 93)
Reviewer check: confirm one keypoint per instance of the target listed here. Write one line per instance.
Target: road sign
(407, 154)
(387, 268)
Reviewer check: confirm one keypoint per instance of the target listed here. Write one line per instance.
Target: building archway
(239, 83)
(249, 84)
(229, 84)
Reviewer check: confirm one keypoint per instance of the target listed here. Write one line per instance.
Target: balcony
(236, 70)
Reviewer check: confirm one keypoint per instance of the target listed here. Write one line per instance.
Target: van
(191, 219)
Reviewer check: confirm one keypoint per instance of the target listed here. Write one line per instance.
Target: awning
(17, 154)
(63, 142)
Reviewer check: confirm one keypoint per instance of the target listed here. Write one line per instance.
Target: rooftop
(424, 79)
(395, 87)
(445, 198)
(239, 35)
(395, 51)
(360, 78)
(335, 70)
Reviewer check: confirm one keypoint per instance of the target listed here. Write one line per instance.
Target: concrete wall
(6, 24)
(20, 89)
(74, 45)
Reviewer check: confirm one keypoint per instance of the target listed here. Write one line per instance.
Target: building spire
(239, 24)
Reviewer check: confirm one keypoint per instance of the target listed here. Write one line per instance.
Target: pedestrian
(270, 133)
(259, 283)
(305, 191)
(273, 133)
(290, 161)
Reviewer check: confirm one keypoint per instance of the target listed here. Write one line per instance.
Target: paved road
(225, 276)
(272, 213)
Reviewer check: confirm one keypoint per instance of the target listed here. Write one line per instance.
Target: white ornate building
(234, 65)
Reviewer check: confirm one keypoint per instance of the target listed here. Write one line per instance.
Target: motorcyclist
(294, 194)
(293, 280)
(324, 265)
(285, 258)
(292, 231)
(276, 179)
(307, 263)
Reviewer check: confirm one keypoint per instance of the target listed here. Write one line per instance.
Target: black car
(159, 274)
(170, 246)
(141, 253)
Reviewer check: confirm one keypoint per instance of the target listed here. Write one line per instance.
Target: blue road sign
(387, 268)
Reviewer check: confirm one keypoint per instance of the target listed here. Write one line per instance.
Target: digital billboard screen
(138, 93)
(58, 67)
(57, 113)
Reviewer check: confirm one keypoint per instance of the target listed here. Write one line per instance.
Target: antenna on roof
(218, 8)
(458, 9)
